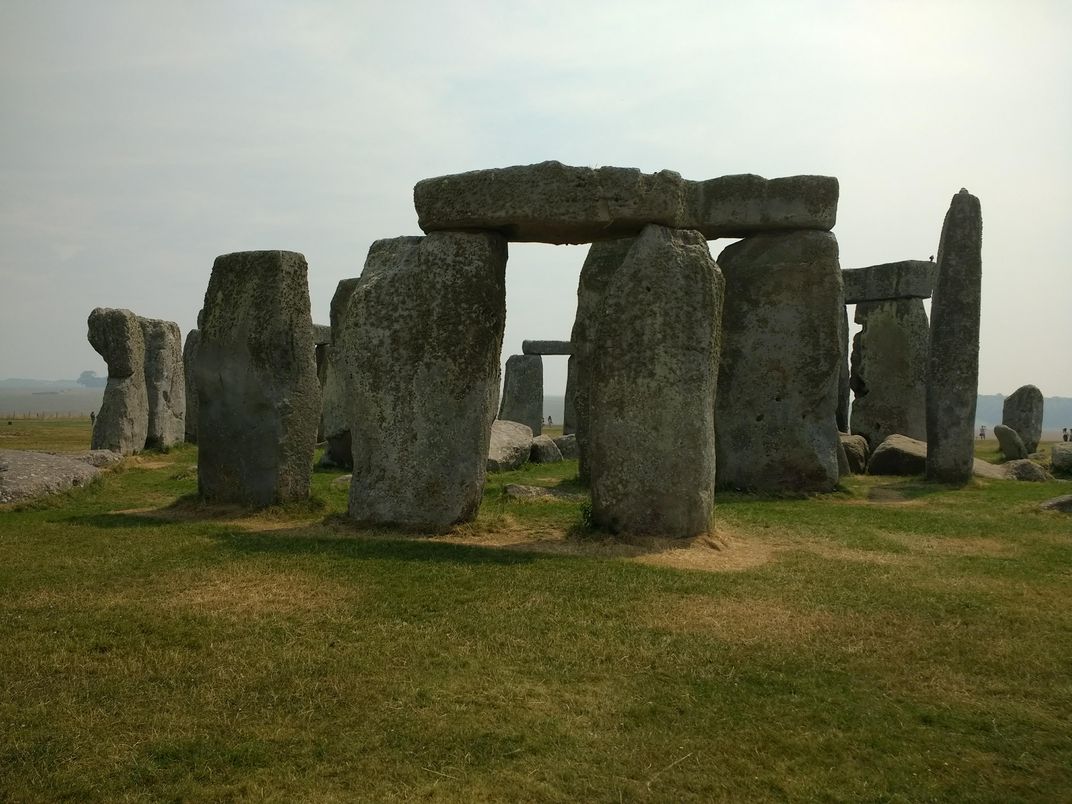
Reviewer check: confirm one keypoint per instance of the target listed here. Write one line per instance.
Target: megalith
(844, 373)
(569, 410)
(123, 420)
(778, 382)
(522, 396)
(889, 370)
(258, 394)
(420, 343)
(189, 359)
(1010, 443)
(953, 359)
(1022, 411)
(334, 420)
(654, 370)
(165, 383)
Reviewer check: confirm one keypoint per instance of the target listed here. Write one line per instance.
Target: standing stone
(569, 410)
(953, 362)
(165, 383)
(1022, 412)
(522, 396)
(778, 382)
(123, 420)
(335, 419)
(258, 395)
(420, 343)
(889, 370)
(189, 360)
(844, 374)
(1010, 443)
(604, 258)
(654, 373)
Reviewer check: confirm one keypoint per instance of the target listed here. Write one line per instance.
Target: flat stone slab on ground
(546, 348)
(907, 279)
(544, 450)
(26, 475)
(901, 455)
(1062, 504)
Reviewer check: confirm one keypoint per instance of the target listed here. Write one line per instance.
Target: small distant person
(1064, 433)
(932, 258)
(92, 418)
(982, 431)
(549, 420)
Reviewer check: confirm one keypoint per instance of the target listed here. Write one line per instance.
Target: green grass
(46, 435)
(835, 648)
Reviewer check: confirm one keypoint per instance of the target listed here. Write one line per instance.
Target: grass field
(893, 641)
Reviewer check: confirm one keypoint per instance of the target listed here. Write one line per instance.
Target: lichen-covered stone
(1061, 459)
(123, 419)
(1022, 411)
(567, 446)
(258, 394)
(844, 383)
(544, 450)
(1010, 443)
(654, 375)
(165, 383)
(778, 381)
(1027, 470)
(857, 452)
(522, 396)
(953, 360)
(510, 446)
(420, 342)
(189, 360)
(546, 348)
(334, 417)
(569, 401)
(908, 279)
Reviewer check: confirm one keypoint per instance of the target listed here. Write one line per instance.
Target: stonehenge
(1022, 412)
(546, 348)
(522, 396)
(334, 419)
(189, 358)
(165, 383)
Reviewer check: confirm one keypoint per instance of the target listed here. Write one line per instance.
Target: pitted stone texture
(123, 420)
(567, 446)
(165, 383)
(522, 396)
(555, 203)
(844, 385)
(321, 334)
(258, 394)
(1062, 504)
(189, 360)
(857, 452)
(1024, 469)
(889, 370)
(778, 382)
(901, 455)
(654, 374)
(602, 261)
(544, 450)
(510, 446)
(334, 420)
(569, 402)
(1010, 443)
(546, 348)
(953, 362)
(908, 279)
(26, 475)
(1022, 411)
(420, 343)
(1061, 459)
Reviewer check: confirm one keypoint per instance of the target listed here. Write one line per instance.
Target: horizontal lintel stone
(546, 348)
(908, 279)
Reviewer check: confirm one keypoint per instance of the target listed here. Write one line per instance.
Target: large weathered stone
(26, 475)
(522, 396)
(953, 361)
(123, 420)
(544, 450)
(1022, 411)
(1010, 443)
(856, 452)
(908, 279)
(321, 334)
(569, 401)
(603, 259)
(334, 417)
(778, 382)
(258, 394)
(1024, 469)
(189, 360)
(510, 446)
(555, 203)
(844, 384)
(420, 342)
(889, 370)
(1061, 459)
(165, 383)
(901, 455)
(567, 446)
(546, 348)
(654, 374)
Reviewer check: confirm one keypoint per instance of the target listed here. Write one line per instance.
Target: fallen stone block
(26, 475)
(1012, 447)
(544, 450)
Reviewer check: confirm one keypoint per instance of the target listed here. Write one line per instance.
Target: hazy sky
(142, 139)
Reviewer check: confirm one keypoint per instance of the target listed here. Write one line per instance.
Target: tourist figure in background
(982, 431)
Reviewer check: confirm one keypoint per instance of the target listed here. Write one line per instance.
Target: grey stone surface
(654, 375)
(569, 401)
(844, 385)
(567, 446)
(258, 394)
(857, 451)
(544, 450)
(844, 470)
(334, 417)
(522, 395)
(420, 342)
(1024, 469)
(1061, 459)
(889, 370)
(908, 279)
(123, 419)
(953, 361)
(321, 334)
(901, 455)
(778, 382)
(510, 446)
(26, 475)
(1062, 504)
(1010, 443)
(546, 348)
(555, 203)
(602, 261)
(1022, 411)
(189, 360)
(165, 383)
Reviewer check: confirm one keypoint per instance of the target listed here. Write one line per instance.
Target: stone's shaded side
(165, 383)
(569, 409)
(420, 344)
(123, 419)
(510, 446)
(599, 267)
(1010, 443)
(778, 382)
(544, 450)
(258, 394)
(546, 348)
(189, 359)
(1022, 412)
(889, 370)
(321, 334)
(555, 203)
(1061, 459)
(898, 455)
(844, 382)
(522, 396)
(907, 279)
(654, 375)
(856, 452)
(321, 355)
(334, 417)
(953, 363)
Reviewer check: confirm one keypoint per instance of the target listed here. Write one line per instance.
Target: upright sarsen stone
(258, 394)
(778, 381)
(654, 371)
(335, 419)
(1022, 411)
(569, 411)
(165, 383)
(420, 343)
(953, 361)
(522, 396)
(123, 420)
(189, 359)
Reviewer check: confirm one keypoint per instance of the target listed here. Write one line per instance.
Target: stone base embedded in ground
(26, 475)
(509, 447)
(900, 455)
(567, 446)
(544, 450)
(1009, 442)
(1061, 459)
(1062, 504)
(1024, 469)
(856, 452)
